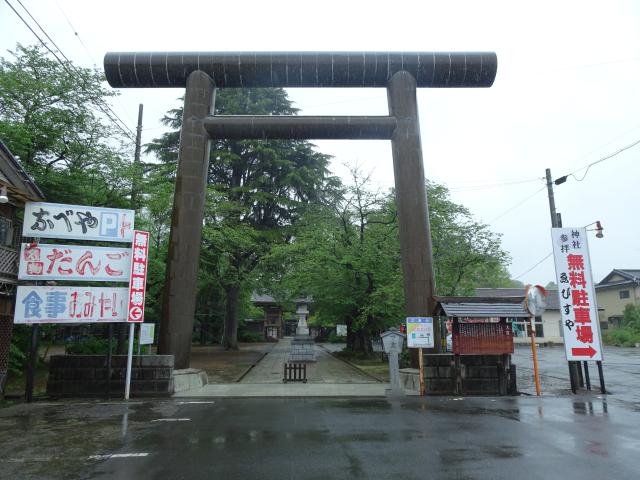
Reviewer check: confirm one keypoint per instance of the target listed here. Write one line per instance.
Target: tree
(466, 254)
(49, 119)
(346, 255)
(52, 118)
(257, 190)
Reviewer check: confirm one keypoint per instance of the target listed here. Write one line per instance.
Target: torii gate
(201, 73)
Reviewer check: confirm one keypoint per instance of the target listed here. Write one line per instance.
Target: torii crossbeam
(202, 73)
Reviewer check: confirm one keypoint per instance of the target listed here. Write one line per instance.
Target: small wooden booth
(479, 360)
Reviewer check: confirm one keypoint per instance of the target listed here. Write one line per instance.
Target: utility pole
(136, 161)
(552, 201)
(122, 327)
(556, 223)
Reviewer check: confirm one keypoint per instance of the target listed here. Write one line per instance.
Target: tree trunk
(230, 340)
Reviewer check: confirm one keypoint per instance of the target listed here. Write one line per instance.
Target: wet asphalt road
(585, 437)
(621, 368)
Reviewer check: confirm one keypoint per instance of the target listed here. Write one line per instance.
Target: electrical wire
(93, 60)
(516, 205)
(486, 186)
(607, 157)
(538, 263)
(118, 123)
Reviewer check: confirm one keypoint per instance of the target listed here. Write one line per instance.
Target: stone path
(327, 377)
(326, 368)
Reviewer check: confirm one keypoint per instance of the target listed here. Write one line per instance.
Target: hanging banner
(70, 304)
(576, 292)
(74, 262)
(54, 220)
(138, 283)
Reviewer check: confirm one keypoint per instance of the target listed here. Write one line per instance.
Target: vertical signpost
(535, 303)
(420, 335)
(576, 292)
(137, 287)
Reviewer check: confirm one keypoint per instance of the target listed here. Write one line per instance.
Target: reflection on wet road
(582, 437)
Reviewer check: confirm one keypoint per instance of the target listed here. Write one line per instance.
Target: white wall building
(548, 326)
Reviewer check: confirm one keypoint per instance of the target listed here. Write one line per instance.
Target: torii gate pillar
(200, 72)
(180, 288)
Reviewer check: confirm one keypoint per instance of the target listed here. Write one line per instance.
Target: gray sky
(565, 96)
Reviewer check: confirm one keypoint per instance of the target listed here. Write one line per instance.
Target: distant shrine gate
(202, 73)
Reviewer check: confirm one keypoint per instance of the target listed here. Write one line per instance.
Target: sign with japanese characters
(74, 262)
(420, 332)
(146, 333)
(578, 308)
(53, 220)
(138, 282)
(35, 304)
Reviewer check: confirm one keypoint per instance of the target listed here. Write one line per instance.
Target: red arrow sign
(135, 314)
(584, 352)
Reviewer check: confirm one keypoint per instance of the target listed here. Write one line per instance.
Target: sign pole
(33, 360)
(535, 356)
(601, 374)
(109, 358)
(586, 375)
(423, 386)
(127, 386)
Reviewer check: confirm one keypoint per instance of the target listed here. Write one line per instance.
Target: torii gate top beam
(300, 69)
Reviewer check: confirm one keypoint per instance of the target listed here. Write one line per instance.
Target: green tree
(257, 190)
(346, 255)
(50, 119)
(466, 253)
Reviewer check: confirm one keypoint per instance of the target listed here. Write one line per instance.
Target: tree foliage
(256, 193)
(50, 118)
(346, 256)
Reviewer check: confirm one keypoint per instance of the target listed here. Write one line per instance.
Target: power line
(77, 35)
(538, 263)
(607, 157)
(517, 205)
(493, 185)
(118, 123)
(93, 60)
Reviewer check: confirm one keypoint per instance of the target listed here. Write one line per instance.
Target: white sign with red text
(36, 304)
(576, 292)
(74, 262)
(138, 282)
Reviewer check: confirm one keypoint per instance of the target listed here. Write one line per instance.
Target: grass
(373, 364)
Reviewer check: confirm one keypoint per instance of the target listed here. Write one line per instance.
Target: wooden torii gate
(202, 73)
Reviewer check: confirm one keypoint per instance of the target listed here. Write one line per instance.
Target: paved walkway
(326, 377)
(326, 368)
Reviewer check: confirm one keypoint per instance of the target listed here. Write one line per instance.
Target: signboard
(54, 220)
(146, 333)
(420, 332)
(74, 262)
(341, 330)
(70, 304)
(576, 292)
(138, 282)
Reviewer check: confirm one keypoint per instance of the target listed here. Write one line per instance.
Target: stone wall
(86, 375)
(448, 374)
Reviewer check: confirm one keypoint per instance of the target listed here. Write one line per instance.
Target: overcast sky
(565, 95)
